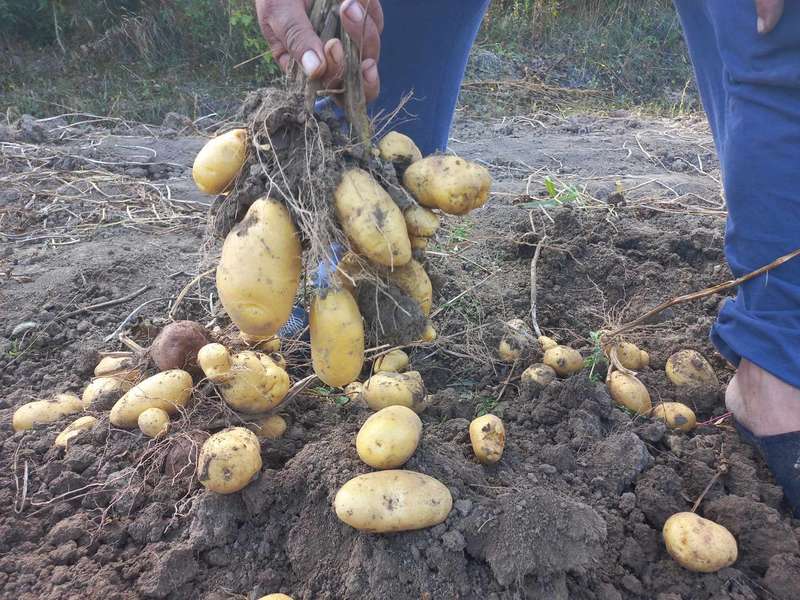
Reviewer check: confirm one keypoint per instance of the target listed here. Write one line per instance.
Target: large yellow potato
(629, 392)
(563, 360)
(449, 183)
(371, 219)
(269, 427)
(399, 148)
(229, 460)
(40, 412)
(168, 390)
(388, 438)
(337, 337)
(395, 361)
(698, 544)
(219, 161)
(153, 422)
(676, 415)
(488, 437)
(394, 500)
(259, 270)
(103, 391)
(689, 367)
(539, 374)
(394, 389)
(250, 382)
(121, 367)
(421, 222)
(73, 430)
(414, 281)
(631, 357)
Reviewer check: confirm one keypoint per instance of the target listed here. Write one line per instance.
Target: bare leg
(762, 402)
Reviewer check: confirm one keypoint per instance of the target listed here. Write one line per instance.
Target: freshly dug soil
(572, 511)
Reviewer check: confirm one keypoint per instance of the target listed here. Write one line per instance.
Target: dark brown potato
(176, 346)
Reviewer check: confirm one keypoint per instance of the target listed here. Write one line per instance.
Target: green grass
(597, 359)
(486, 404)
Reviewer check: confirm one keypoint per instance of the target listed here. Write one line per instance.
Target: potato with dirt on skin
(449, 183)
(414, 281)
(539, 374)
(631, 357)
(419, 243)
(153, 422)
(353, 390)
(168, 390)
(229, 460)
(421, 222)
(394, 389)
(676, 415)
(120, 367)
(176, 346)
(399, 148)
(488, 437)
(371, 220)
(389, 437)
(698, 544)
(259, 269)
(250, 382)
(626, 390)
(337, 337)
(220, 161)
(516, 341)
(546, 343)
(73, 430)
(394, 361)
(393, 500)
(268, 427)
(41, 412)
(429, 334)
(565, 361)
(103, 392)
(689, 367)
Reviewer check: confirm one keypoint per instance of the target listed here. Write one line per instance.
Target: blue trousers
(750, 87)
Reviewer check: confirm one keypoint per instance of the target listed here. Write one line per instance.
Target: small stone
(627, 502)
(548, 469)
(454, 541)
(464, 507)
(83, 326)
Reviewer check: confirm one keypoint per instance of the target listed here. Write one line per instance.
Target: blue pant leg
(759, 150)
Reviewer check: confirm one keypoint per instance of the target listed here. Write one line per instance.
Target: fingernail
(761, 25)
(337, 52)
(283, 62)
(354, 11)
(369, 70)
(310, 62)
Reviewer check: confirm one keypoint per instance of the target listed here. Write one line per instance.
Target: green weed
(597, 359)
(485, 405)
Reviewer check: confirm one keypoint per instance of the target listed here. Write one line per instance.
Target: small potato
(220, 161)
(395, 500)
(563, 360)
(268, 345)
(353, 390)
(414, 281)
(516, 341)
(547, 342)
(73, 430)
(398, 148)
(488, 437)
(395, 361)
(337, 337)
(389, 437)
(121, 367)
(248, 381)
(421, 222)
(259, 270)
(371, 219)
(229, 460)
(269, 427)
(419, 243)
(629, 392)
(539, 374)
(394, 389)
(449, 183)
(168, 390)
(429, 334)
(103, 392)
(40, 412)
(153, 422)
(176, 346)
(698, 544)
(676, 415)
(689, 367)
(276, 597)
(631, 357)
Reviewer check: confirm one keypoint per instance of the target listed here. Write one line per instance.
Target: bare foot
(762, 402)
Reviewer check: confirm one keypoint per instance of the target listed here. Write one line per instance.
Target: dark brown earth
(572, 511)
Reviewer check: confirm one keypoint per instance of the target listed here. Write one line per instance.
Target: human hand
(769, 13)
(288, 31)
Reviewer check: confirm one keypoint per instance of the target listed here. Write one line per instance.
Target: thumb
(292, 26)
(769, 13)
